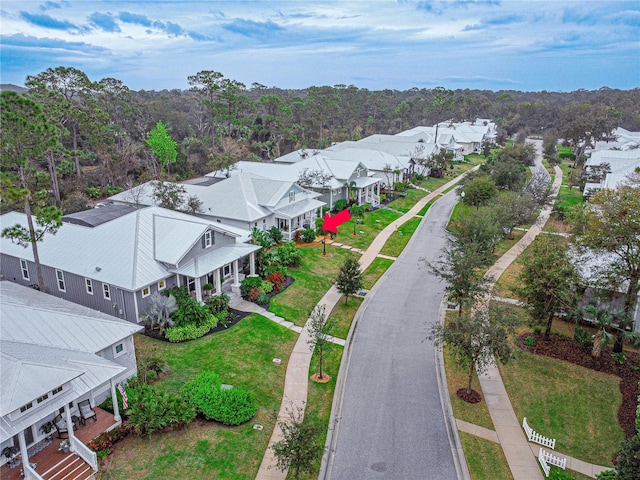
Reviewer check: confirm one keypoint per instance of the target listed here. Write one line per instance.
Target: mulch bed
(469, 396)
(567, 349)
(288, 281)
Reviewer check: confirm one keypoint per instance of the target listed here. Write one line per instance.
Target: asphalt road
(391, 424)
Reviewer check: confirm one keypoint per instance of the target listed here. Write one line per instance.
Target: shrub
(276, 235)
(217, 303)
(105, 441)
(229, 407)
(248, 284)
(286, 255)
(628, 466)
(308, 235)
(583, 338)
(340, 205)
(557, 474)
(297, 236)
(318, 223)
(190, 312)
(154, 410)
(234, 407)
(530, 342)
(262, 299)
(191, 331)
(277, 279)
(129, 390)
(619, 357)
(266, 287)
(607, 475)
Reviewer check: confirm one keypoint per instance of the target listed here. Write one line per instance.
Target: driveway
(391, 423)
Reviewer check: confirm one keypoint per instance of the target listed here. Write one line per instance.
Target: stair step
(71, 467)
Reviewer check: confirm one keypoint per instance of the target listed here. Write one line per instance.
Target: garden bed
(567, 349)
(233, 317)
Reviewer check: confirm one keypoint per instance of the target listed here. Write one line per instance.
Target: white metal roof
(203, 264)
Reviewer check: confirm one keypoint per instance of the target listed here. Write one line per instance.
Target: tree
(478, 233)
(602, 319)
(582, 125)
(349, 279)
(478, 191)
(319, 338)
(548, 279)
(511, 209)
(459, 268)
(299, 448)
(26, 135)
(163, 146)
(207, 84)
(477, 338)
(611, 231)
(441, 102)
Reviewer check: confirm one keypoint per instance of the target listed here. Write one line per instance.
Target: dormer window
(208, 239)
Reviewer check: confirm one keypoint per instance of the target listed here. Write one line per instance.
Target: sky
(495, 45)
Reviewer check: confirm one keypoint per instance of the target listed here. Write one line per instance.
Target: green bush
(248, 284)
(229, 407)
(262, 299)
(308, 235)
(129, 390)
(190, 312)
(628, 466)
(530, 342)
(266, 287)
(558, 474)
(192, 331)
(277, 279)
(276, 235)
(583, 338)
(340, 205)
(607, 475)
(286, 255)
(217, 303)
(154, 410)
(566, 154)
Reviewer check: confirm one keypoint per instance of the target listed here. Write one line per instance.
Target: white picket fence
(533, 436)
(547, 459)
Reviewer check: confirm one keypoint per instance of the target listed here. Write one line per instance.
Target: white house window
(60, 277)
(55, 391)
(118, 350)
(162, 285)
(146, 291)
(208, 239)
(226, 271)
(25, 269)
(42, 398)
(88, 285)
(292, 196)
(26, 407)
(106, 291)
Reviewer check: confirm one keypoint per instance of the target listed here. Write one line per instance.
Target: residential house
(606, 169)
(624, 140)
(112, 258)
(243, 201)
(56, 355)
(460, 138)
(348, 180)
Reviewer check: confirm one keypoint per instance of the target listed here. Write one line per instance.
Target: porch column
(198, 289)
(114, 400)
(67, 416)
(216, 275)
(23, 450)
(252, 264)
(235, 288)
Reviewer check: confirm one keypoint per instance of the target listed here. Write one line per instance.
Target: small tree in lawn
(476, 339)
(349, 279)
(299, 448)
(319, 328)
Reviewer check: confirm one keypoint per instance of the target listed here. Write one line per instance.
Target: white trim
(24, 266)
(106, 291)
(116, 354)
(148, 289)
(162, 284)
(60, 280)
(208, 239)
(88, 285)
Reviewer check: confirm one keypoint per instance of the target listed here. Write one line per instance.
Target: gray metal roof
(121, 252)
(98, 216)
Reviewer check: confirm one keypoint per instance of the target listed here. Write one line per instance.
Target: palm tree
(603, 320)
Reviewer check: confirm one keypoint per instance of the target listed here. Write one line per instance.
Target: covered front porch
(297, 216)
(205, 275)
(368, 191)
(51, 463)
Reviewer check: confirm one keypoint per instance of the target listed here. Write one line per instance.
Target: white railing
(546, 459)
(85, 453)
(30, 473)
(533, 436)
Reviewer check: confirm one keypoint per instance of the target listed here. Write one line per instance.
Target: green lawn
(343, 314)
(373, 223)
(242, 356)
(313, 278)
(374, 271)
(404, 204)
(484, 458)
(399, 239)
(576, 406)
